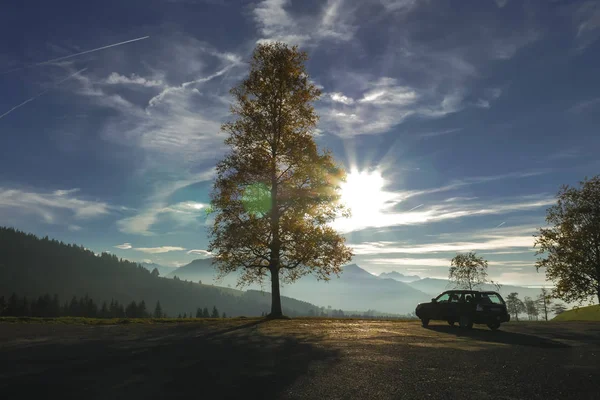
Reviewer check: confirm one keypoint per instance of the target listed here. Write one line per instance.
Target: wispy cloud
(587, 22)
(159, 250)
(41, 93)
(54, 60)
(200, 252)
(276, 23)
(388, 217)
(124, 246)
(157, 205)
(509, 240)
(54, 207)
(133, 79)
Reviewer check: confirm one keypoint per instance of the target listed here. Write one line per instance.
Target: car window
(491, 298)
(455, 297)
(469, 297)
(443, 298)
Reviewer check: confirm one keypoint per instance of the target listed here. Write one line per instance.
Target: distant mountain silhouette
(32, 266)
(162, 269)
(199, 269)
(399, 277)
(357, 289)
(434, 286)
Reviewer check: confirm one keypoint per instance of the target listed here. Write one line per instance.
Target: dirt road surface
(300, 359)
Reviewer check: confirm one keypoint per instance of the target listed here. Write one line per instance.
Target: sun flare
(363, 193)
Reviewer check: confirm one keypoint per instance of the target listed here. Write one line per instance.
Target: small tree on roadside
(514, 305)
(468, 271)
(275, 193)
(215, 312)
(205, 313)
(544, 301)
(531, 308)
(571, 245)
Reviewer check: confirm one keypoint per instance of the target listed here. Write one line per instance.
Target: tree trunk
(276, 311)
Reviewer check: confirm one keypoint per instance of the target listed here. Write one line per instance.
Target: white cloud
(340, 98)
(587, 21)
(158, 250)
(442, 262)
(183, 212)
(133, 79)
(74, 228)
(383, 104)
(275, 23)
(54, 207)
(200, 252)
(396, 5)
(501, 241)
(124, 246)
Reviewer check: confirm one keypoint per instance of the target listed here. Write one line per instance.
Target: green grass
(590, 313)
(110, 321)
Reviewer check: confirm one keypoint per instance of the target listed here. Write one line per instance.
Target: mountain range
(399, 277)
(356, 288)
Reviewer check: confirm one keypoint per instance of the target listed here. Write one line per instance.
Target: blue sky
(458, 121)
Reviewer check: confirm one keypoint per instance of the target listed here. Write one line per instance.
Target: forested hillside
(32, 267)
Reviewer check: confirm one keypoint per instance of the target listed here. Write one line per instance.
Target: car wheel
(425, 322)
(465, 322)
(494, 326)
(451, 323)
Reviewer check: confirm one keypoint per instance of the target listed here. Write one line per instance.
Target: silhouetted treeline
(33, 266)
(50, 307)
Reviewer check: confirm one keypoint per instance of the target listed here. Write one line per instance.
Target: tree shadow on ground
(500, 336)
(230, 363)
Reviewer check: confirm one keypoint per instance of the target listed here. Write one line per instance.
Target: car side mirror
(433, 300)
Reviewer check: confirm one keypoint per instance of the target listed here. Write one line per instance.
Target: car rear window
(491, 298)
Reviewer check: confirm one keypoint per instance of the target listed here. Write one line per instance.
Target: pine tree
(224, 315)
(215, 312)
(198, 313)
(142, 312)
(132, 310)
(205, 313)
(158, 313)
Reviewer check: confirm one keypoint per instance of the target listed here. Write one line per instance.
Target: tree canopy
(275, 192)
(468, 271)
(570, 246)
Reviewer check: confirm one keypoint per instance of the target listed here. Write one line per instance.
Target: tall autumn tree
(468, 271)
(275, 192)
(570, 246)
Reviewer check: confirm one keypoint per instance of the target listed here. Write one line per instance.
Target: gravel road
(300, 359)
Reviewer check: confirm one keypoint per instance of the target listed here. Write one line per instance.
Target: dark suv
(467, 307)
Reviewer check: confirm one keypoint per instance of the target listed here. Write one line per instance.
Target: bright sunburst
(363, 193)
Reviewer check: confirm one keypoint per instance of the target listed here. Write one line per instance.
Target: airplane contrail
(41, 93)
(414, 208)
(500, 225)
(73, 55)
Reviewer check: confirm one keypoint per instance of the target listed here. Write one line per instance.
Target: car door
(452, 311)
(440, 306)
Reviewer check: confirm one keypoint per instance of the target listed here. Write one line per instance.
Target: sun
(363, 193)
